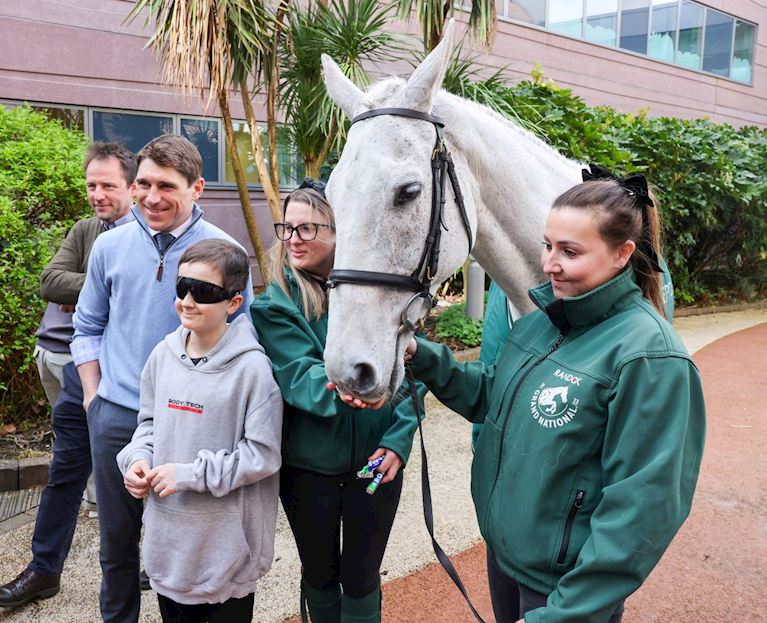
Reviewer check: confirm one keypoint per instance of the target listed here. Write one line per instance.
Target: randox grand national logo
(554, 406)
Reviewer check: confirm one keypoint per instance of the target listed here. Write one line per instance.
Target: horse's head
(381, 191)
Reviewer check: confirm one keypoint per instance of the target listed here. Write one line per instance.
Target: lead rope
(428, 513)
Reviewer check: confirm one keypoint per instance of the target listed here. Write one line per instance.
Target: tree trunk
(271, 93)
(257, 147)
(242, 186)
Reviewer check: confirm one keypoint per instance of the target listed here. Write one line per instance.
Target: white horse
(381, 193)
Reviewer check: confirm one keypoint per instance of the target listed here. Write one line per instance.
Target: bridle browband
(442, 167)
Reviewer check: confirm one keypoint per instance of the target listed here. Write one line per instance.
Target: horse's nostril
(365, 378)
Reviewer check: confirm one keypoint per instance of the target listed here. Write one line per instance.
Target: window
(131, 130)
(635, 17)
(530, 11)
(204, 134)
(690, 46)
(601, 21)
(291, 167)
(717, 48)
(566, 17)
(71, 118)
(663, 30)
(743, 54)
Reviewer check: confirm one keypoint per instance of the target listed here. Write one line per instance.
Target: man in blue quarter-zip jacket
(125, 309)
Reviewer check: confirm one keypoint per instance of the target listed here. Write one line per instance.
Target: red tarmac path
(716, 568)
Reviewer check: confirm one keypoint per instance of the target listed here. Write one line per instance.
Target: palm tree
(432, 15)
(215, 47)
(350, 31)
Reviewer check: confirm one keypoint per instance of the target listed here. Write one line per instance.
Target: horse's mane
(387, 92)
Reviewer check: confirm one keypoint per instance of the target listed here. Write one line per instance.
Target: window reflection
(743, 54)
(530, 11)
(290, 165)
(132, 131)
(689, 47)
(70, 118)
(718, 43)
(635, 15)
(601, 21)
(204, 134)
(566, 17)
(663, 33)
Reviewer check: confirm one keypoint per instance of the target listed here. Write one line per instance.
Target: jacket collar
(590, 308)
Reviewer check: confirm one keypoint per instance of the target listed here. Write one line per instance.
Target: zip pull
(579, 498)
(161, 267)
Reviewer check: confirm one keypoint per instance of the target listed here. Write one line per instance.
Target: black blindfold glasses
(202, 291)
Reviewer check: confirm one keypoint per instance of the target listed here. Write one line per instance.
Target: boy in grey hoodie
(207, 447)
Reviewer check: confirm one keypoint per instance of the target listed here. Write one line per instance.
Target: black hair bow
(315, 185)
(635, 185)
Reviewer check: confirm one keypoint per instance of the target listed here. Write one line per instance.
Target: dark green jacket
(320, 432)
(588, 459)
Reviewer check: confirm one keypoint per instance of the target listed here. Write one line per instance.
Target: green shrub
(454, 324)
(42, 190)
(709, 178)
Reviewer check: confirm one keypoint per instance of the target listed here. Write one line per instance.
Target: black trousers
(512, 600)
(67, 477)
(319, 507)
(231, 611)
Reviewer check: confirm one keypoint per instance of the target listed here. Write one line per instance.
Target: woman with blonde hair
(326, 442)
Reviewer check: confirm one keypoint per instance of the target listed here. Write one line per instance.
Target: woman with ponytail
(593, 414)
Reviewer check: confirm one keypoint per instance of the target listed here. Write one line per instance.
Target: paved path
(416, 590)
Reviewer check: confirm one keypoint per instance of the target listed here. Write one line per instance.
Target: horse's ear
(342, 91)
(427, 78)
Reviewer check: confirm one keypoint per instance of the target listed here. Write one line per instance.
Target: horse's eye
(406, 194)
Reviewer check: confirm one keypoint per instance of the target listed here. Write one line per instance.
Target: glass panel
(743, 56)
(132, 131)
(635, 15)
(530, 11)
(688, 51)
(204, 134)
(291, 166)
(566, 17)
(242, 138)
(601, 21)
(663, 30)
(717, 49)
(71, 118)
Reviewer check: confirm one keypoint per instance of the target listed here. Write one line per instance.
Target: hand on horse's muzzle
(356, 402)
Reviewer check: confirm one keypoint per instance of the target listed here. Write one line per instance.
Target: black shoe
(143, 580)
(27, 586)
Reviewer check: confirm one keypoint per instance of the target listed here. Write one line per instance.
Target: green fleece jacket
(587, 463)
(320, 432)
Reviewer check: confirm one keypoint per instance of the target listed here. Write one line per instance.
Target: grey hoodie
(220, 423)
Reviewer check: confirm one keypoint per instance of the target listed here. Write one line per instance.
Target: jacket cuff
(85, 348)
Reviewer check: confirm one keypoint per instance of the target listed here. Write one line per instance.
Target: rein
(419, 282)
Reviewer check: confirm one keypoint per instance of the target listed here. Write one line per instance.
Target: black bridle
(419, 281)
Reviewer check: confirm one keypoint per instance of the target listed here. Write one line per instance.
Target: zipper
(517, 387)
(577, 505)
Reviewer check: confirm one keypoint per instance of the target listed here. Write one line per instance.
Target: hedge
(42, 192)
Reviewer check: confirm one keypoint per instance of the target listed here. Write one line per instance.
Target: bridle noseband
(419, 281)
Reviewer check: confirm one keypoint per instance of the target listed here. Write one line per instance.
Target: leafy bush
(709, 178)
(42, 190)
(454, 324)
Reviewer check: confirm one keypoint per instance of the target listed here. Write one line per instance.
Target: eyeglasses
(305, 231)
(202, 291)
